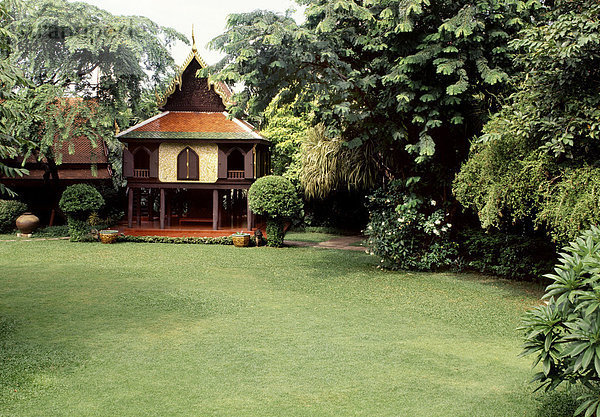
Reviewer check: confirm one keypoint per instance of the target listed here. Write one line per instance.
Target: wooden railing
(141, 173)
(235, 174)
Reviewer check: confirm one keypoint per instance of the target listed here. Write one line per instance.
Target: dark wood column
(169, 210)
(130, 207)
(162, 208)
(138, 207)
(215, 212)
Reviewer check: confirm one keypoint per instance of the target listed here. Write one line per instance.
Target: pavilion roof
(192, 125)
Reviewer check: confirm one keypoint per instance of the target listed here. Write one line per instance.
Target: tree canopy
(112, 62)
(537, 160)
(407, 76)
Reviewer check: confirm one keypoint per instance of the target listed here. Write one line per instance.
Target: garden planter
(108, 236)
(27, 223)
(241, 240)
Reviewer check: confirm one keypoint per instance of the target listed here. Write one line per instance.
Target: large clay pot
(27, 223)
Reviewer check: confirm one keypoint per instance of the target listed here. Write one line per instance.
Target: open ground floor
(163, 211)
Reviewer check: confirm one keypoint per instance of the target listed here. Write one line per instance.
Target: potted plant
(241, 239)
(108, 236)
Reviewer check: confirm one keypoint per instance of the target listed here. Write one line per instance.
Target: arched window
(141, 162)
(235, 164)
(187, 165)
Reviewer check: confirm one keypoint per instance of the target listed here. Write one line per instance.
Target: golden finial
(193, 40)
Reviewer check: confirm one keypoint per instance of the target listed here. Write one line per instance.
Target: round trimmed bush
(78, 202)
(275, 198)
(9, 211)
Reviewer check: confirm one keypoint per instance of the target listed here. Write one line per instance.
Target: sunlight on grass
(188, 330)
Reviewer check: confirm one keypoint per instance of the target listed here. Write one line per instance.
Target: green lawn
(309, 236)
(193, 330)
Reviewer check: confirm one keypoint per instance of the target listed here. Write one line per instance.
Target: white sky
(208, 17)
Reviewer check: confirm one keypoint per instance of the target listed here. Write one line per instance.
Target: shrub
(53, 231)
(510, 255)
(275, 198)
(78, 202)
(225, 240)
(564, 334)
(407, 233)
(9, 211)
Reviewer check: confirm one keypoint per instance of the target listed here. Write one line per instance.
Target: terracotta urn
(27, 223)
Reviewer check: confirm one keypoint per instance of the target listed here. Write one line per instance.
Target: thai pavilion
(189, 168)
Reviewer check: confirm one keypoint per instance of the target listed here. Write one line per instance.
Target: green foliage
(79, 230)
(11, 78)
(53, 231)
(286, 131)
(510, 255)
(401, 78)
(225, 240)
(559, 403)
(407, 233)
(275, 233)
(274, 197)
(80, 200)
(563, 335)
(9, 211)
(328, 164)
(537, 158)
(61, 47)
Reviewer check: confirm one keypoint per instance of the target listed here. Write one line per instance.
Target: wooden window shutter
(154, 164)
(127, 163)
(194, 173)
(187, 165)
(222, 171)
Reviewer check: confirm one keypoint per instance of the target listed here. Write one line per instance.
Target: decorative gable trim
(220, 88)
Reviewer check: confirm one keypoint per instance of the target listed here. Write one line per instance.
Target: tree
(402, 76)
(275, 198)
(286, 130)
(112, 62)
(10, 78)
(537, 161)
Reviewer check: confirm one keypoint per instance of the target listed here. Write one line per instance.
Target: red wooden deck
(152, 228)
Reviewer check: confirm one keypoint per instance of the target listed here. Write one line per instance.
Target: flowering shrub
(406, 232)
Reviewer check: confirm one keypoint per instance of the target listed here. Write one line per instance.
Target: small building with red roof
(192, 165)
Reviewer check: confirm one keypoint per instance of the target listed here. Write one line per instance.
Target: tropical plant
(563, 334)
(275, 198)
(10, 78)
(400, 78)
(537, 159)
(110, 62)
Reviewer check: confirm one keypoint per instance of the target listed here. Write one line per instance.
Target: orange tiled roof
(192, 122)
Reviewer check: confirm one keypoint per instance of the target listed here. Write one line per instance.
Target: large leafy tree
(10, 78)
(78, 50)
(400, 77)
(537, 161)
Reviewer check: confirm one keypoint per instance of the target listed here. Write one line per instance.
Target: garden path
(343, 242)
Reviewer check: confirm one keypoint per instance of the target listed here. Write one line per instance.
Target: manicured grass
(193, 330)
(309, 236)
